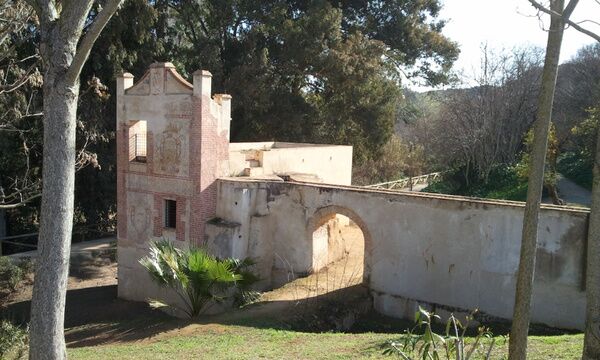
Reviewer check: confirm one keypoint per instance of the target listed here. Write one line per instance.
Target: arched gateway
(327, 215)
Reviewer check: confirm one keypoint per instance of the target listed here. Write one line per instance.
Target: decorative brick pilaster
(149, 153)
(122, 166)
(180, 218)
(157, 222)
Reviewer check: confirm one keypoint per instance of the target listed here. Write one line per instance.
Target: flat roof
(269, 145)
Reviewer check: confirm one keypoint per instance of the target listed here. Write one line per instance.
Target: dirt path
(92, 264)
(573, 193)
(341, 274)
(94, 314)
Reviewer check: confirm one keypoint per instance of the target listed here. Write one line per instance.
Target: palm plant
(197, 277)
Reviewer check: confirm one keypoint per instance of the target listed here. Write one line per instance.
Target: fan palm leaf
(198, 277)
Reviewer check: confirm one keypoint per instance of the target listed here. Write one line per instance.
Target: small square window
(170, 214)
(137, 141)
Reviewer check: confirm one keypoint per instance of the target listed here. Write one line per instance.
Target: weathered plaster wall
(187, 137)
(332, 164)
(457, 252)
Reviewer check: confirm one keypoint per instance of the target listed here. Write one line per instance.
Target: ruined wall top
(162, 78)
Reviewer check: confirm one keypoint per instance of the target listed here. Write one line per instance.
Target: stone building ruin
(180, 178)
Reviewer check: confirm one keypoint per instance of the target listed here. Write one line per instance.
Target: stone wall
(452, 252)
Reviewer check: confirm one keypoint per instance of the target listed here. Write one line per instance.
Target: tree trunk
(591, 349)
(54, 243)
(553, 193)
(520, 322)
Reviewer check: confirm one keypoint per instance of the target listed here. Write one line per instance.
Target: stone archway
(325, 214)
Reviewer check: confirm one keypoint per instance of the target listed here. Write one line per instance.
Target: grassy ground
(242, 342)
(258, 334)
(101, 326)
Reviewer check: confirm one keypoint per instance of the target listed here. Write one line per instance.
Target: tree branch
(45, 9)
(21, 203)
(86, 44)
(566, 14)
(6, 88)
(572, 24)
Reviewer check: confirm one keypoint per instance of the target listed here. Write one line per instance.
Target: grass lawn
(99, 325)
(216, 341)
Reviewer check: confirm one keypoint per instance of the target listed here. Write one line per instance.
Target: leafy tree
(584, 135)
(198, 278)
(399, 159)
(20, 122)
(550, 169)
(299, 71)
(311, 70)
(123, 45)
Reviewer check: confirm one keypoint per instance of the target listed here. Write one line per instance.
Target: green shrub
(13, 341)
(576, 167)
(12, 272)
(444, 186)
(199, 278)
(422, 342)
(502, 183)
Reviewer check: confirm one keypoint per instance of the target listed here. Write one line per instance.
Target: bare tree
(68, 30)
(577, 90)
(521, 313)
(482, 126)
(519, 330)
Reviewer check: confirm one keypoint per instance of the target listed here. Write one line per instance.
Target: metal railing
(80, 233)
(407, 183)
(137, 147)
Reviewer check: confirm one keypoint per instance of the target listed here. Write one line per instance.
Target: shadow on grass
(96, 316)
(353, 302)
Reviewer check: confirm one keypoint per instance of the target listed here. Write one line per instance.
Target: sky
(505, 24)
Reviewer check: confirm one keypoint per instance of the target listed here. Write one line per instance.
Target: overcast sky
(507, 24)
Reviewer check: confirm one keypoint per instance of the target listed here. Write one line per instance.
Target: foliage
(316, 71)
(585, 135)
(13, 341)
(552, 152)
(12, 272)
(123, 45)
(430, 345)
(578, 162)
(503, 183)
(447, 184)
(398, 159)
(577, 168)
(198, 278)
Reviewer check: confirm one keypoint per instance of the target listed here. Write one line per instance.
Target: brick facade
(182, 127)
